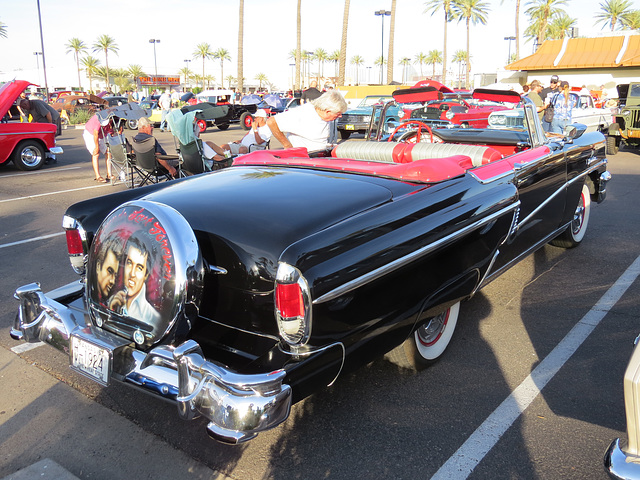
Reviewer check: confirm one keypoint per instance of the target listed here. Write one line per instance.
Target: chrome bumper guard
(620, 465)
(237, 406)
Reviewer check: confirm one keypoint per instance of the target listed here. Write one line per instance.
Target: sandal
(100, 179)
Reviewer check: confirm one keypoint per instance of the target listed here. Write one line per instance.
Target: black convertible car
(238, 292)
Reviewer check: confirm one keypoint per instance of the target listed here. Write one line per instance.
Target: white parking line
(25, 347)
(39, 172)
(470, 454)
(34, 239)
(54, 193)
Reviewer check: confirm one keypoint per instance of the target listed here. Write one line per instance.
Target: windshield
(374, 100)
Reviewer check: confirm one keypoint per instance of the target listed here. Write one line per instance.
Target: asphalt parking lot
(509, 399)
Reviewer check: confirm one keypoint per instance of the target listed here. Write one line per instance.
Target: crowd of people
(554, 103)
(312, 126)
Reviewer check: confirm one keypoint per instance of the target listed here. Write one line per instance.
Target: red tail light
(74, 242)
(289, 300)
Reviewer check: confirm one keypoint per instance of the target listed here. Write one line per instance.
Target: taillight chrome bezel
(78, 260)
(294, 330)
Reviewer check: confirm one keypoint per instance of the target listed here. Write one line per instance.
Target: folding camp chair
(147, 164)
(188, 145)
(122, 164)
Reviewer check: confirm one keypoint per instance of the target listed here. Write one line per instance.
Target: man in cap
(534, 95)
(259, 134)
(550, 91)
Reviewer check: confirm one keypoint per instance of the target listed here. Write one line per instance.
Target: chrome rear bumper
(238, 407)
(620, 465)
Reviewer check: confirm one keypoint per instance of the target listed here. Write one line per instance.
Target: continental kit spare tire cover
(144, 273)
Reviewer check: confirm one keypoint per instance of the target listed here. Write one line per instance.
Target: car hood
(9, 92)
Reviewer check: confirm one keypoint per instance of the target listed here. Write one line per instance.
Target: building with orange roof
(599, 61)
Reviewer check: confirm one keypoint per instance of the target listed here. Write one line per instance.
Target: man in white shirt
(259, 134)
(308, 125)
(164, 102)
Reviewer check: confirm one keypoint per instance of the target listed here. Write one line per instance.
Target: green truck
(625, 129)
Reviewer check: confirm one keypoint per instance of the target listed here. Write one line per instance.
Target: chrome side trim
(560, 190)
(489, 278)
(401, 262)
(237, 406)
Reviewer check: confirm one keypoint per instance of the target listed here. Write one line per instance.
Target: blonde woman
(563, 104)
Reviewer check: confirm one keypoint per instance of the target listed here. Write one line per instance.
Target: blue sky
(270, 34)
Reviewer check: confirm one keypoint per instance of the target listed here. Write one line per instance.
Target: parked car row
(27, 145)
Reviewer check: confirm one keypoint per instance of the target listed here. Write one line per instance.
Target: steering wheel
(413, 122)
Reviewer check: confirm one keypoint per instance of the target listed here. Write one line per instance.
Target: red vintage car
(443, 107)
(27, 144)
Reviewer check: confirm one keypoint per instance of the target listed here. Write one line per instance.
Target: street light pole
(38, 64)
(509, 40)
(382, 14)
(155, 63)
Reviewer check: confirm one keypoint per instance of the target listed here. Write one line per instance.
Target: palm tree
(222, 54)
(106, 44)
(187, 73)
(343, 44)
(631, 21)
(298, 46)
(405, 62)
(613, 12)
(203, 50)
(90, 65)
(211, 80)
(473, 11)
(261, 77)
(460, 57)
(433, 6)
(77, 46)
(3, 30)
(306, 58)
(230, 79)
(434, 57)
(321, 56)
(540, 12)
(357, 60)
(240, 47)
(421, 58)
(392, 32)
(517, 35)
(335, 58)
(380, 62)
(560, 26)
(135, 71)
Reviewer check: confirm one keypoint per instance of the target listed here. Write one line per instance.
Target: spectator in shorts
(94, 135)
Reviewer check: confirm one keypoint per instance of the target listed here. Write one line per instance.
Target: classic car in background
(585, 112)
(28, 145)
(236, 112)
(72, 103)
(622, 459)
(356, 120)
(306, 267)
(422, 108)
(464, 109)
(625, 128)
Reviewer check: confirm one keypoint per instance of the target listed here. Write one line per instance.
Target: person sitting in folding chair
(145, 132)
(256, 139)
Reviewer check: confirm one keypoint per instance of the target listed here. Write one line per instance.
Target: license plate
(349, 127)
(90, 359)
